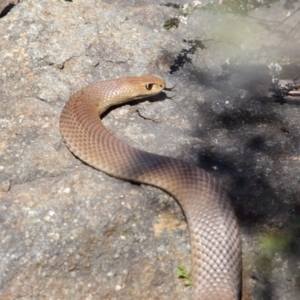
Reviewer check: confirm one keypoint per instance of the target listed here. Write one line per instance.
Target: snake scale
(214, 234)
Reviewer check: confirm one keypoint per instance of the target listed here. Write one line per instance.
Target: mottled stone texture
(68, 231)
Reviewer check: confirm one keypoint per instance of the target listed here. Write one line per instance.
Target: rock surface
(68, 231)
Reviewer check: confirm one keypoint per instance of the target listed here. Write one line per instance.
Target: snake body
(214, 233)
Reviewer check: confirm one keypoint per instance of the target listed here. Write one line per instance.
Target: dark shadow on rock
(261, 173)
(248, 188)
(262, 139)
(6, 9)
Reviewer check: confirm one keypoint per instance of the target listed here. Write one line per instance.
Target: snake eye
(149, 86)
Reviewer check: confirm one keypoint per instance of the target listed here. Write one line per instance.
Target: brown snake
(212, 224)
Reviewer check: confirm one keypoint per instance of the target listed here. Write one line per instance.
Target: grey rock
(68, 231)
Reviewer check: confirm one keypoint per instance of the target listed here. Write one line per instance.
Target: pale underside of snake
(214, 234)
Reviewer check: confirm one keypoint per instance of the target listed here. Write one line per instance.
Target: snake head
(114, 92)
(144, 86)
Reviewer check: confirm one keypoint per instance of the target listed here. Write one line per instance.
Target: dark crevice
(6, 9)
(173, 5)
(146, 118)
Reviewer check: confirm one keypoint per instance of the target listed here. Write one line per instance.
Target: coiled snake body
(213, 228)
